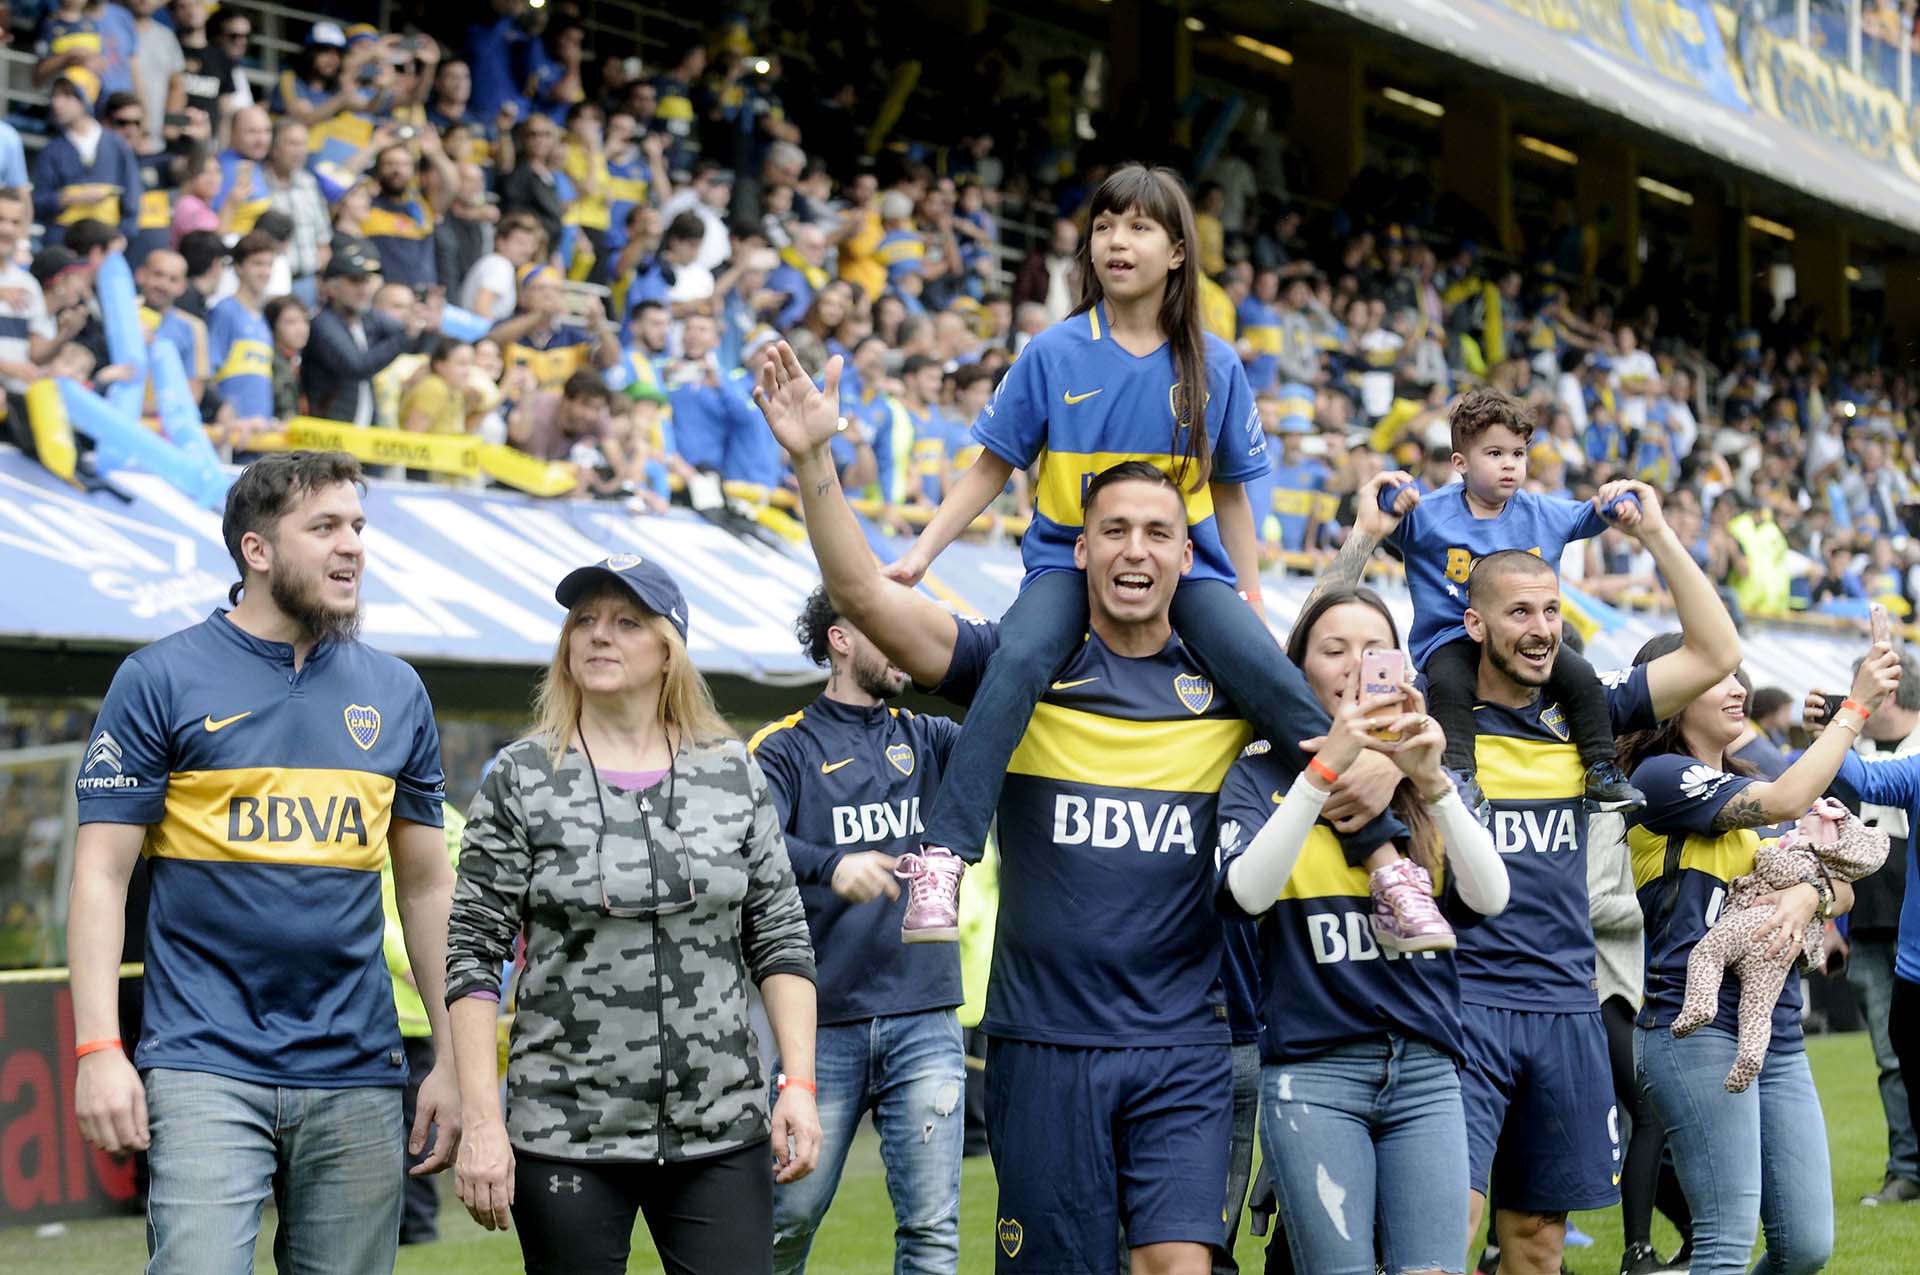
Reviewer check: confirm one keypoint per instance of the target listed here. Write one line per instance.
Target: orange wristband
(95, 1046)
(1323, 770)
(1856, 706)
(795, 1082)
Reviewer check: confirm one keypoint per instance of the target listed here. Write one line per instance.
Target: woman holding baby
(1759, 1154)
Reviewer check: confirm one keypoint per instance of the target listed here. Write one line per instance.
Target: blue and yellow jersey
(624, 187)
(1442, 539)
(267, 793)
(933, 447)
(588, 211)
(154, 219)
(332, 145)
(1683, 796)
(185, 333)
(402, 233)
(291, 90)
(1326, 981)
(1260, 329)
(60, 36)
(1078, 403)
(1538, 954)
(875, 413)
(1107, 935)
(554, 355)
(241, 349)
(244, 186)
(1297, 492)
(848, 779)
(902, 252)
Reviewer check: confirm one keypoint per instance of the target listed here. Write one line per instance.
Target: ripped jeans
(1368, 1146)
(910, 1071)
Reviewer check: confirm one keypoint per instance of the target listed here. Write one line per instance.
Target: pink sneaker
(933, 895)
(1405, 917)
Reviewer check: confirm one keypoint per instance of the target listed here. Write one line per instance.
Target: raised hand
(803, 416)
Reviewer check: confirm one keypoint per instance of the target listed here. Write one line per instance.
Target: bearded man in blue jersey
(267, 764)
(1109, 1072)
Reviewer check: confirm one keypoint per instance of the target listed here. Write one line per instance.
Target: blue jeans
(1044, 627)
(1246, 1113)
(331, 1159)
(1870, 975)
(1369, 1140)
(1743, 1158)
(910, 1071)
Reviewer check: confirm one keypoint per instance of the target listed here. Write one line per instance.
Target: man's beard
(878, 679)
(1512, 670)
(298, 598)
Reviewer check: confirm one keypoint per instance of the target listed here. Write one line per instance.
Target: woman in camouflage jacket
(633, 840)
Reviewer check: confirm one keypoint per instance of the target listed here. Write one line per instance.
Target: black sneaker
(1639, 1259)
(1608, 789)
(1679, 1264)
(1489, 1260)
(1895, 1190)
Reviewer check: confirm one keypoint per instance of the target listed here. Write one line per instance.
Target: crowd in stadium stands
(626, 240)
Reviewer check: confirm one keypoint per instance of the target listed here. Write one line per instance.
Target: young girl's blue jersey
(1078, 403)
(1441, 540)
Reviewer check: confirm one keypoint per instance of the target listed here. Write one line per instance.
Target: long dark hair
(1667, 736)
(1159, 194)
(1425, 845)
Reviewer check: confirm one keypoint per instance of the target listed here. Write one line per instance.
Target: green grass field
(858, 1236)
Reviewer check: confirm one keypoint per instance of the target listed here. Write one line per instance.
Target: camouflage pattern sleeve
(490, 891)
(774, 925)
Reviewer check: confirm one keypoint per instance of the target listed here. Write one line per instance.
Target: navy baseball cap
(648, 583)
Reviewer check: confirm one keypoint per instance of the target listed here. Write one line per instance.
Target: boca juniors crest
(363, 725)
(901, 756)
(1012, 1235)
(1195, 691)
(1555, 720)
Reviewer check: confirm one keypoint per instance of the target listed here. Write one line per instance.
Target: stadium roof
(1699, 101)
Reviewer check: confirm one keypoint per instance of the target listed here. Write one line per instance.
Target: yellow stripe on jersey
(104, 210)
(1263, 339)
(310, 818)
(246, 358)
(1294, 503)
(388, 223)
(1170, 756)
(786, 723)
(1064, 476)
(156, 210)
(1513, 769)
(1725, 857)
(1093, 321)
(551, 368)
(1322, 871)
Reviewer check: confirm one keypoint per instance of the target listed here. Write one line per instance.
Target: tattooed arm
(1758, 805)
(1371, 525)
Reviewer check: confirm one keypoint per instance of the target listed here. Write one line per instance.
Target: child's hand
(1639, 522)
(113, 374)
(907, 569)
(803, 417)
(1369, 517)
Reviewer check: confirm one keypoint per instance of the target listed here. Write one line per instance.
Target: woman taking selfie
(1360, 1050)
(633, 840)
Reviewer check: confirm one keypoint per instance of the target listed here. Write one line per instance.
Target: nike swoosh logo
(1616, 1179)
(1067, 686)
(828, 767)
(224, 722)
(1081, 398)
